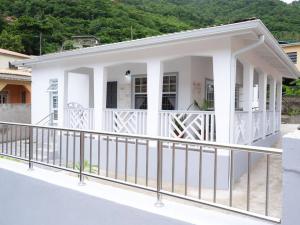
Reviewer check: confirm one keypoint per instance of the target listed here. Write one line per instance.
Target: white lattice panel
(240, 128)
(126, 121)
(256, 125)
(188, 125)
(79, 117)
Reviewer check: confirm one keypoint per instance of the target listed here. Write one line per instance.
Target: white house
(148, 86)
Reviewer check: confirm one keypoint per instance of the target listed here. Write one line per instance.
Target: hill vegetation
(23, 21)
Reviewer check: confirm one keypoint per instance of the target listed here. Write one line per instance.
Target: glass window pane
(173, 88)
(173, 79)
(137, 81)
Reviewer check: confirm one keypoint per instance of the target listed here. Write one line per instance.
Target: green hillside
(22, 21)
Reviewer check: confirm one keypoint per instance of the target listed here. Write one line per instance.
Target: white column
(291, 179)
(279, 100)
(262, 89)
(272, 103)
(224, 87)
(248, 97)
(154, 86)
(61, 98)
(100, 80)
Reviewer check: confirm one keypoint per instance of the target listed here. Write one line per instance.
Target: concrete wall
(19, 113)
(291, 179)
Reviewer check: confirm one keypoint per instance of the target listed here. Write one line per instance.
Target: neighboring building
(82, 41)
(15, 84)
(15, 88)
(146, 86)
(293, 51)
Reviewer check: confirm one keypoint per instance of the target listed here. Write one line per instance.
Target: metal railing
(196, 171)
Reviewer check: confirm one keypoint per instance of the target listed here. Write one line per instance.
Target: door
(111, 94)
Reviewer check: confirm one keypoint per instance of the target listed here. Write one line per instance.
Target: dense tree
(118, 20)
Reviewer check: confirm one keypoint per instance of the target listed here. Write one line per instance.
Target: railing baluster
(11, 139)
(186, 169)
(91, 151)
(126, 157)
(200, 173)
(74, 150)
(2, 139)
(30, 147)
(67, 148)
(60, 147)
(159, 175)
(248, 179)
(231, 178)
(36, 143)
(16, 140)
(81, 159)
(173, 166)
(136, 161)
(54, 147)
(42, 154)
(99, 148)
(107, 155)
(147, 161)
(267, 185)
(48, 144)
(116, 159)
(215, 174)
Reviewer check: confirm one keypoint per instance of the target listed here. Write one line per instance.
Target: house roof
(8, 52)
(291, 44)
(229, 29)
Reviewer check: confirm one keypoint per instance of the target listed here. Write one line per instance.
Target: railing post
(81, 159)
(159, 202)
(30, 147)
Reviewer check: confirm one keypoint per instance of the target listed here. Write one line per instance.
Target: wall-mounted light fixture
(127, 73)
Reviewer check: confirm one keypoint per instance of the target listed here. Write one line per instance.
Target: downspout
(234, 56)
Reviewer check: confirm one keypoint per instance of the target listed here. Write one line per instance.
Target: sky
(287, 1)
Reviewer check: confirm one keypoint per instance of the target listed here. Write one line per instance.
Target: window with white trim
(140, 92)
(53, 95)
(169, 91)
(292, 56)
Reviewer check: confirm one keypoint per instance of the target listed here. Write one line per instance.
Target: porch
(179, 103)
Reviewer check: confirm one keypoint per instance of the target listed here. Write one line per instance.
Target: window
(238, 97)
(3, 97)
(140, 92)
(292, 56)
(169, 91)
(209, 93)
(53, 94)
(23, 97)
(268, 97)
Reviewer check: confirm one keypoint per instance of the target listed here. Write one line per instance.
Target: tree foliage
(117, 20)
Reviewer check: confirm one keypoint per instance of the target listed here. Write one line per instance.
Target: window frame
(52, 94)
(169, 74)
(133, 95)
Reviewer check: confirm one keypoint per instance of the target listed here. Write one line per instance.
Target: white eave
(230, 29)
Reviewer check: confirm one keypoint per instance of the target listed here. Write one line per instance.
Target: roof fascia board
(275, 48)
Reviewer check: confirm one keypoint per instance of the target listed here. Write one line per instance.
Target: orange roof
(8, 52)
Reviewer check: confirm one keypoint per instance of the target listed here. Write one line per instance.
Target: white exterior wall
(40, 106)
